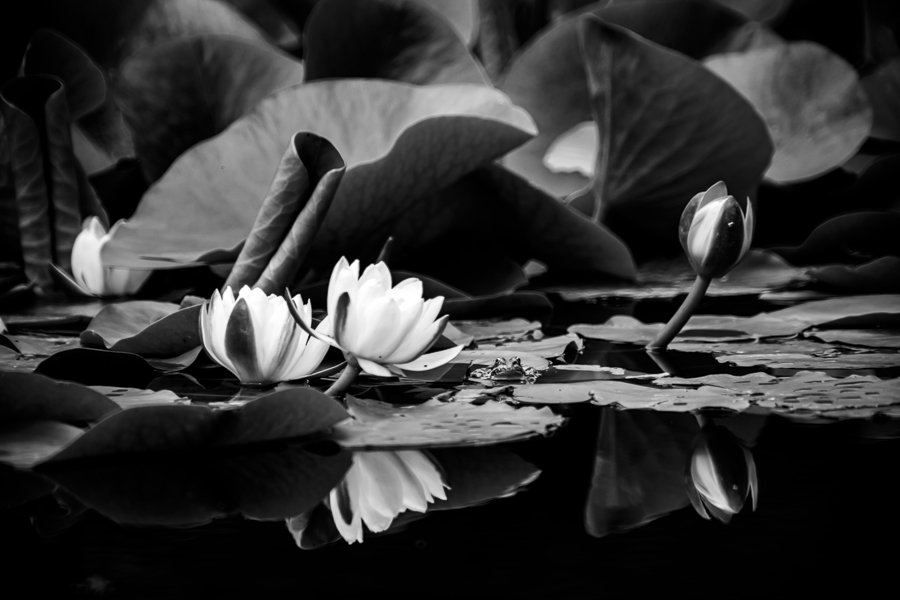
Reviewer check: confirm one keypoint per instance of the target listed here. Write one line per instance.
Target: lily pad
(853, 238)
(627, 395)
(759, 272)
(182, 91)
(280, 415)
(134, 397)
(875, 310)
(92, 366)
(643, 98)
(28, 444)
(377, 425)
(387, 39)
(841, 361)
(31, 397)
(146, 328)
(486, 330)
(487, 357)
(548, 347)
(811, 100)
(873, 338)
(204, 206)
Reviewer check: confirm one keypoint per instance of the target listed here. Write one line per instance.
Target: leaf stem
(681, 316)
(347, 377)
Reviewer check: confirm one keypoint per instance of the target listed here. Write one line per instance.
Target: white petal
(381, 492)
(377, 272)
(344, 278)
(432, 360)
(749, 228)
(703, 229)
(417, 342)
(345, 498)
(382, 320)
(426, 473)
(86, 266)
(373, 368)
(308, 357)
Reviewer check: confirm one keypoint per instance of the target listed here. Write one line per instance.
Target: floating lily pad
(874, 310)
(280, 415)
(874, 338)
(881, 275)
(205, 205)
(487, 357)
(668, 127)
(182, 91)
(387, 39)
(627, 395)
(146, 328)
(811, 100)
(28, 444)
(435, 423)
(486, 330)
(71, 315)
(133, 397)
(870, 360)
(30, 397)
(759, 272)
(548, 347)
(91, 366)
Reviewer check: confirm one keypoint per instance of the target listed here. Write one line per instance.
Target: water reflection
(721, 474)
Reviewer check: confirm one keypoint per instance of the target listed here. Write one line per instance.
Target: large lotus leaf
(882, 87)
(377, 425)
(815, 109)
(386, 39)
(759, 272)
(271, 484)
(399, 143)
(49, 53)
(111, 30)
(180, 92)
(875, 310)
(851, 239)
(668, 127)
(146, 328)
(461, 14)
(30, 397)
(282, 415)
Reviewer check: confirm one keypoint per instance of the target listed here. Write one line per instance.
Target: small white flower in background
(714, 232)
(88, 270)
(381, 485)
(255, 337)
(386, 329)
(2, 326)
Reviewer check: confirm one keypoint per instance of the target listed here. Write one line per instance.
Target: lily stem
(347, 377)
(681, 316)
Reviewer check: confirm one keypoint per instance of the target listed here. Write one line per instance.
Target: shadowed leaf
(147, 328)
(882, 87)
(32, 397)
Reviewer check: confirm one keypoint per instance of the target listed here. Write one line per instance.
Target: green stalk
(676, 323)
(346, 379)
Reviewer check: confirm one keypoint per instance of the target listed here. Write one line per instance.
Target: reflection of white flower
(386, 329)
(2, 326)
(255, 337)
(721, 475)
(88, 270)
(381, 485)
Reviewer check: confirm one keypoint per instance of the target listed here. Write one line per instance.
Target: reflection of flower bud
(714, 232)
(88, 270)
(381, 485)
(255, 337)
(720, 475)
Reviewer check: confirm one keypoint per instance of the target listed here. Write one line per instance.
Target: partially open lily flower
(88, 270)
(385, 329)
(715, 232)
(381, 485)
(255, 337)
(721, 474)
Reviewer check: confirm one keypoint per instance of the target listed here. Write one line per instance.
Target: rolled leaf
(290, 216)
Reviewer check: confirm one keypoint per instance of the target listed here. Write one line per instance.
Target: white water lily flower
(88, 270)
(715, 232)
(385, 329)
(255, 337)
(381, 485)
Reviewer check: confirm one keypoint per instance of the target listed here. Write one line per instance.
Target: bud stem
(347, 377)
(681, 316)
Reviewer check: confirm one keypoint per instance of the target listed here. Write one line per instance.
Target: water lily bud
(88, 270)
(720, 475)
(385, 329)
(381, 485)
(714, 232)
(255, 337)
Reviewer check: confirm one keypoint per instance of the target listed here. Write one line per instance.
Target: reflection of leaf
(377, 425)
(265, 485)
(875, 310)
(386, 39)
(145, 327)
(183, 91)
(882, 87)
(477, 475)
(638, 470)
(811, 100)
(209, 198)
(280, 415)
(667, 126)
(30, 397)
(49, 53)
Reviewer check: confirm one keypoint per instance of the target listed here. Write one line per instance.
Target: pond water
(600, 508)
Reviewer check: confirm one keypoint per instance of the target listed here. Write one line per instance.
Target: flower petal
(432, 361)
(418, 342)
(373, 368)
(240, 343)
